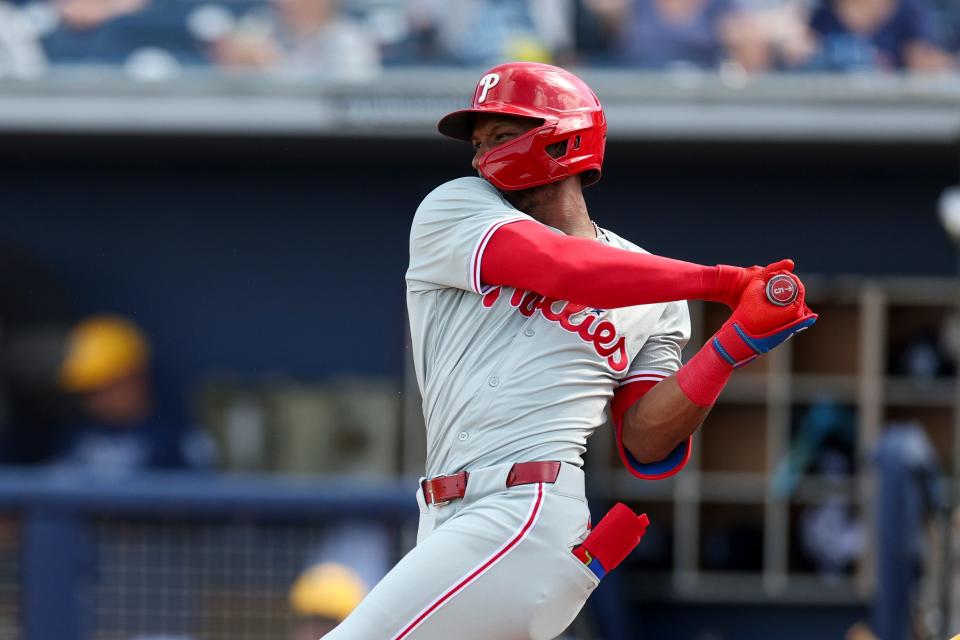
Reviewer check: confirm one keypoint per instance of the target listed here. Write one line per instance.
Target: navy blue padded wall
(289, 257)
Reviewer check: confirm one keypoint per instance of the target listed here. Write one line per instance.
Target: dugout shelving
(847, 357)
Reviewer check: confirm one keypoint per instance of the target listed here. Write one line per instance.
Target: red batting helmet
(569, 110)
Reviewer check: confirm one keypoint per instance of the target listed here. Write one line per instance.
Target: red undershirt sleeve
(528, 255)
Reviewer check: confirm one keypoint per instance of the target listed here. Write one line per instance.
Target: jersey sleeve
(450, 231)
(659, 358)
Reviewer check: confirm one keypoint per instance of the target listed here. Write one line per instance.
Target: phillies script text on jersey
(603, 335)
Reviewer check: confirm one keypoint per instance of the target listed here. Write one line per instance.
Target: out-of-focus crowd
(79, 400)
(354, 39)
(77, 391)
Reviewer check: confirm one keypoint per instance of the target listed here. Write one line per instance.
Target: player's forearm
(656, 423)
(527, 255)
(676, 407)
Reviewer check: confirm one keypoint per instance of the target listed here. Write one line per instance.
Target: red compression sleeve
(528, 255)
(704, 376)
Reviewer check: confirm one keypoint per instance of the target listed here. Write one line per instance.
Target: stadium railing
(184, 556)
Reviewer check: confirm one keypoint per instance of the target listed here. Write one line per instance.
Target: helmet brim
(459, 124)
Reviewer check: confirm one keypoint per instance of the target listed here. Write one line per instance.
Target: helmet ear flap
(539, 157)
(523, 162)
(585, 154)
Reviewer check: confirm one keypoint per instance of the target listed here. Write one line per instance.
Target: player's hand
(770, 311)
(732, 281)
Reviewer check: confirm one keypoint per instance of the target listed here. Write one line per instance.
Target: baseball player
(528, 321)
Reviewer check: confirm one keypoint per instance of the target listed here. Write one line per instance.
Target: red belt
(443, 489)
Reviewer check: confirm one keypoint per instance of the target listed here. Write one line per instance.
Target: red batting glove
(732, 281)
(756, 326)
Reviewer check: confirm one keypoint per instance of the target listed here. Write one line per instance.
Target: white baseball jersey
(505, 374)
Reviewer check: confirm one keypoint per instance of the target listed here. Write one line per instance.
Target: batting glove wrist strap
(704, 376)
(737, 347)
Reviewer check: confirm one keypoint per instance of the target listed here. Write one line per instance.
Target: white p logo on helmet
(487, 82)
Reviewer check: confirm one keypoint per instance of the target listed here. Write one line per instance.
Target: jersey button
(494, 381)
(462, 436)
(529, 332)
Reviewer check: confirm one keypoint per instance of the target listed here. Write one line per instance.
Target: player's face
(492, 130)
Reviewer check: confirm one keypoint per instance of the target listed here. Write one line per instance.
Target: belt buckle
(433, 496)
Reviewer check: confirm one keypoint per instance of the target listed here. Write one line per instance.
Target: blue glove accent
(763, 345)
(723, 352)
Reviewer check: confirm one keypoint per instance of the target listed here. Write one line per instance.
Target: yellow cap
(527, 49)
(102, 350)
(330, 590)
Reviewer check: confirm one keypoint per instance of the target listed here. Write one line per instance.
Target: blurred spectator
(149, 38)
(660, 34)
(487, 32)
(107, 369)
(878, 35)
(910, 490)
(89, 14)
(774, 34)
(831, 534)
(20, 51)
(300, 37)
(322, 596)
(330, 587)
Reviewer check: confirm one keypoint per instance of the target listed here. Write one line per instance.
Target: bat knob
(782, 290)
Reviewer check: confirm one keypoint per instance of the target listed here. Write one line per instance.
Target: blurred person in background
(322, 596)
(20, 52)
(877, 35)
(491, 31)
(777, 32)
(81, 15)
(149, 39)
(299, 37)
(106, 369)
(664, 34)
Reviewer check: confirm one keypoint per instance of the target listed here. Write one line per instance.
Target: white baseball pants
(495, 565)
